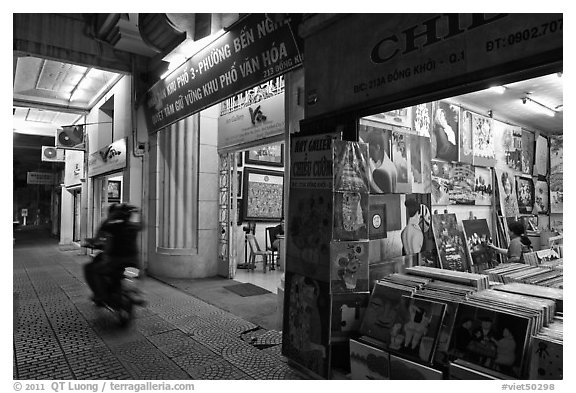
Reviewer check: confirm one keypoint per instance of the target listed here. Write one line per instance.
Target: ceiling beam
(50, 107)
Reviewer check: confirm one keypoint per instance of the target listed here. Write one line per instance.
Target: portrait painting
(507, 191)
(383, 172)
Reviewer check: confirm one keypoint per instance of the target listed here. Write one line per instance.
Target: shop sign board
(257, 49)
(311, 161)
(46, 178)
(108, 159)
(74, 168)
(255, 122)
(383, 58)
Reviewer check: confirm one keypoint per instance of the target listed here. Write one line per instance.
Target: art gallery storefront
(193, 169)
(442, 165)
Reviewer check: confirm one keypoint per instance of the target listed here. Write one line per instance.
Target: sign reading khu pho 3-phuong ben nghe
(255, 50)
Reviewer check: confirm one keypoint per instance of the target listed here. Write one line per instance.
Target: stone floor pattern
(60, 334)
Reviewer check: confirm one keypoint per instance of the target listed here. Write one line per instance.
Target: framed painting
(269, 155)
(263, 195)
(114, 191)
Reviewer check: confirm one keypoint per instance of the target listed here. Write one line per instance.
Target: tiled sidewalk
(60, 334)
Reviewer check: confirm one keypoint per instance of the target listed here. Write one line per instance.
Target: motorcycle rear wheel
(125, 310)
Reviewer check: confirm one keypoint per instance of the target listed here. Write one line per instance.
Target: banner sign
(74, 168)
(387, 57)
(252, 123)
(46, 178)
(255, 50)
(311, 161)
(108, 159)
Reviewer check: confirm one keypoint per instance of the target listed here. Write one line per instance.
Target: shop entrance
(256, 213)
(107, 190)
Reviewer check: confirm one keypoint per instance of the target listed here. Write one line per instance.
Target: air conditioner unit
(70, 137)
(50, 153)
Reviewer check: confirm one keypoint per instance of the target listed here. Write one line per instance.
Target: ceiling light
(497, 89)
(541, 108)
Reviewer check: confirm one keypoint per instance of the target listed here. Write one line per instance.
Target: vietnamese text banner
(255, 50)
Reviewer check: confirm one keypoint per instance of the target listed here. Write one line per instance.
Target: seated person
(274, 232)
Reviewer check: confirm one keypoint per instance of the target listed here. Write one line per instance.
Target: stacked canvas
(493, 331)
(518, 272)
(478, 281)
(546, 351)
(400, 324)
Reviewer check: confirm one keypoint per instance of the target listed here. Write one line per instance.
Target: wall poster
(450, 242)
(306, 332)
(556, 153)
(507, 192)
(527, 152)
(541, 156)
(444, 135)
(349, 267)
(465, 153)
(483, 187)
(477, 234)
(525, 192)
(483, 141)
(556, 193)
(508, 146)
(541, 199)
(400, 160)
(384, 175)
(422, 119)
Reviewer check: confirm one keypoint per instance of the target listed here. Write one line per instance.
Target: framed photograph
(269, 155)
(263, 195)
(239, 159)
(114, 190)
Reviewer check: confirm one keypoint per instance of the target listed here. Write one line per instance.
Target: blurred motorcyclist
(117, 236)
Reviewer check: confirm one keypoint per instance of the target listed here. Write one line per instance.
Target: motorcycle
(120, 286)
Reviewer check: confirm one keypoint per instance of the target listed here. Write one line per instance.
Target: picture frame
(268, 155)
(263, 195)
(239, 159)
(114, 191)
(239, 184)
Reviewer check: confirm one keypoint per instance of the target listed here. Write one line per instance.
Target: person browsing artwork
(519, 243)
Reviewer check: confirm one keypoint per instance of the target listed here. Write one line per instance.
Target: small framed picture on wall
(269, 155)
(114, 191)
